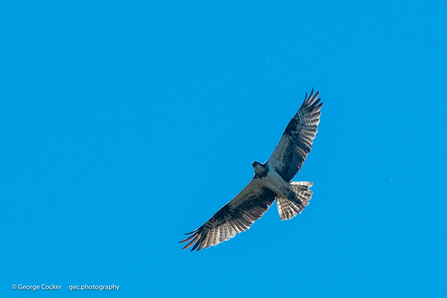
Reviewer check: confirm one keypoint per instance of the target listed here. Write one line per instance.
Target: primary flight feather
(272, 181)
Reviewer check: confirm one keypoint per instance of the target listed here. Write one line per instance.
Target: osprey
(272, 181)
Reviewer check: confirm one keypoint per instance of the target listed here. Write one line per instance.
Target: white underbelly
(276, 183)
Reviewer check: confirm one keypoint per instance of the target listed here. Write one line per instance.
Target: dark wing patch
(235, 217)
(296, 141)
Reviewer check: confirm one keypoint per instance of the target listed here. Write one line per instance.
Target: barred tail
(287, 208)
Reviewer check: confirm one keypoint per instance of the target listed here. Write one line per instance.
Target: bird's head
(256, 164)
(260, 169)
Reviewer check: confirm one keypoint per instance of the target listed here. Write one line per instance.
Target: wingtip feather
(309, 100)
(187, 239)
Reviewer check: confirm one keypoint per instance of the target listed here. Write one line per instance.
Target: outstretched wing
(235, 217)
(296, 141)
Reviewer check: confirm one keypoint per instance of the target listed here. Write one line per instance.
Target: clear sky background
(124, 125)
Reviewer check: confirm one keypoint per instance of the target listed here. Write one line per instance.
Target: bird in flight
(272, 181)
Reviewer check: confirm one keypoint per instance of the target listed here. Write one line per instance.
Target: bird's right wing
(235, 217)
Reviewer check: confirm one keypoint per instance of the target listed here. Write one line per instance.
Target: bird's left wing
(296, 141)
(235, 217)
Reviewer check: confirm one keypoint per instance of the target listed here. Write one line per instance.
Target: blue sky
(124, 125)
